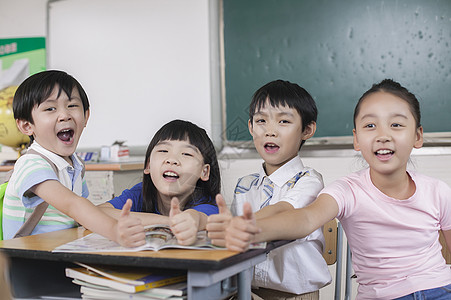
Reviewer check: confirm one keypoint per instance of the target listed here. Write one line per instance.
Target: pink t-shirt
(394, 243)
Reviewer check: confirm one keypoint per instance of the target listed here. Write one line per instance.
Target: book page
(161, 237)
(157, 237)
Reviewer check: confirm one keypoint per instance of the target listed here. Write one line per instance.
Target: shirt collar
(284, 173)
(60, 162)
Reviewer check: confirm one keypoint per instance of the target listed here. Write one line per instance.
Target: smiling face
(58, 123)
(277, 134)
(175, 167)
(385, 133)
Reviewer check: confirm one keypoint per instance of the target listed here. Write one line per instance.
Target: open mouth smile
(66, 135)
(170, 175)
(384, 154)
(271, 148)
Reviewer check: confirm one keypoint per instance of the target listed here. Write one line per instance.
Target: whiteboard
(142, 63)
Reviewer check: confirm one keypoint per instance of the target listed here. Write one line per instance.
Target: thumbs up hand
(248, 214)
(184, 224)
(175, 207)
(125, 212)
(130, 231)
(241, 230)
(217, 223)
(222, 206)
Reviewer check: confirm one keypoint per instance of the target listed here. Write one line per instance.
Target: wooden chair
(333, 235)
(5, 287)
(445, 250)
(333, 253)
(330, 235)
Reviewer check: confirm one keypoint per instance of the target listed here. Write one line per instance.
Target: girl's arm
(239, 232)
(288, 225)
(273, 209)
(186, 224)
(304, 192)
(217, 223)
(146, 218)
(127, 231)
(298, 223)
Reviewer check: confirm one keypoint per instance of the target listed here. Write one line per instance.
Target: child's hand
(217, 224)
(184, 224)
(130, 231)
(241, 230)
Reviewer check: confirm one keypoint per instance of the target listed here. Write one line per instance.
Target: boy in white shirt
(282, 116)
(52, 108)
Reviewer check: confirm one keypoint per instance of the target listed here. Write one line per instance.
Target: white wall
(22, 18)
(141, 62)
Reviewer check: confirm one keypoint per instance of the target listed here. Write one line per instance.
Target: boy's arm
(146, 218)
(288, 225)
(125, 231)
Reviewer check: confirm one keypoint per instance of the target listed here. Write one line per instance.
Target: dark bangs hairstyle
(37, 88)
(205, 191)
(392, 87)
(285, 93)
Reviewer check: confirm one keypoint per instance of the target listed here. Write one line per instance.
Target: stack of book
(101, 282)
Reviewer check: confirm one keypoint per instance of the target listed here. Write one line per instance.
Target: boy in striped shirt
(52, 108)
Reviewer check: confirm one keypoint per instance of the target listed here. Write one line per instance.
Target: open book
(157, 237)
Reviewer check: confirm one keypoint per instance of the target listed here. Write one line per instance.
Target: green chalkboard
(336, 50)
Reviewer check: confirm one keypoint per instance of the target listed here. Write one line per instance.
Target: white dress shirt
(297, 267)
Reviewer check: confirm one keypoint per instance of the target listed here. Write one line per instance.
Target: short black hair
(38, 87)
(284, 93)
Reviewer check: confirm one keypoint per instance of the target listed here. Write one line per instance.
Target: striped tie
(268, 189)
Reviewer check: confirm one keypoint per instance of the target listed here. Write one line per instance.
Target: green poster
(19, 58)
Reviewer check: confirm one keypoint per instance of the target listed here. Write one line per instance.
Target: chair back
(445, 250)
(330, 235)
(333, 254)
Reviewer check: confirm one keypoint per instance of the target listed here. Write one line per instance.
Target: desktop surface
(35, 270)
(41, 246)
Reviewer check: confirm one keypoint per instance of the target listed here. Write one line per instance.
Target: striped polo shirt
(32, 169)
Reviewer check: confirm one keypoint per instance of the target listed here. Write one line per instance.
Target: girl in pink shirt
(392, 217)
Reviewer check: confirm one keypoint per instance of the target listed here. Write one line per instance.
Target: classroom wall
(142, 63)
(332, 164)
(22, 18)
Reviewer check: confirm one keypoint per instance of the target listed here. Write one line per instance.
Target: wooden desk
(35, 270)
